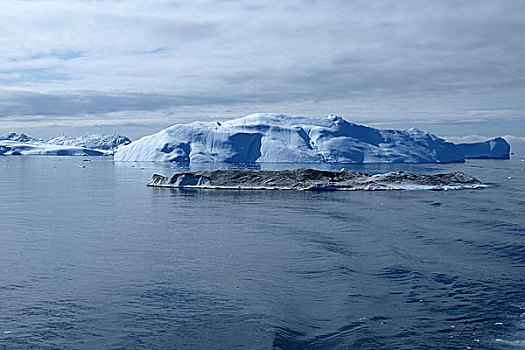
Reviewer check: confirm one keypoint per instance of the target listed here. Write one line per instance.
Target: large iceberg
(496, 148)
(314, 180)
(282, 138)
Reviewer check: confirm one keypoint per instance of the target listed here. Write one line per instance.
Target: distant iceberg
(314, 180)
(15, 148)
(88, 145)
(282, 138)
(13, 136)
(497, 148)
(94, 141)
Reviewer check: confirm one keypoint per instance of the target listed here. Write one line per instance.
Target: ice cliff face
(496, 148)
(281, 138)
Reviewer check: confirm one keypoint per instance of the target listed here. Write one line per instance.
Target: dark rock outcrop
(314, 180)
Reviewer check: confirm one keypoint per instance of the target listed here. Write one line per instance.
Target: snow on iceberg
(497, 148)
(95, 141)
(13, 136)
(282, 138)
(88, 145)
(314, 180)
(13, 148)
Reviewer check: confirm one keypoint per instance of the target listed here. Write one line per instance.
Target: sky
(455, 68)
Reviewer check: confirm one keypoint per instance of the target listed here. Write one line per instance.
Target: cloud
(377, 62)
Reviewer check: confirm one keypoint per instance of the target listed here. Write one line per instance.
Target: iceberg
(496, 148)
(13, 143)
(281, 138)
(95, 141)
(15, 148)
(314, 180)
(13, 136)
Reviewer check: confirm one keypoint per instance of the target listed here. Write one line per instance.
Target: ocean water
(91, 258)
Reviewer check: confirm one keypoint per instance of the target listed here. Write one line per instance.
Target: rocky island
(314, 180)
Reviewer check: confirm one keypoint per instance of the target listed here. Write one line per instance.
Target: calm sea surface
(91, 258)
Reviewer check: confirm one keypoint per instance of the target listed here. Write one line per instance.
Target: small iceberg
(15, 144)
(16, 148)
(496, 148)
(315, 180)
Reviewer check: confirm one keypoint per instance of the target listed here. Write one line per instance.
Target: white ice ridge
(282, 138)
(94, 141)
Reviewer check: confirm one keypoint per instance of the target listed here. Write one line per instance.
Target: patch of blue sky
(68, 55)
(64, 55)
(31, 75)
(159, 50)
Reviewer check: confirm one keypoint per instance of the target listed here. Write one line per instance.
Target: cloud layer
(126, 62)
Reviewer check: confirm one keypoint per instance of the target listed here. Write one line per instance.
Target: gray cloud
(376, 62)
